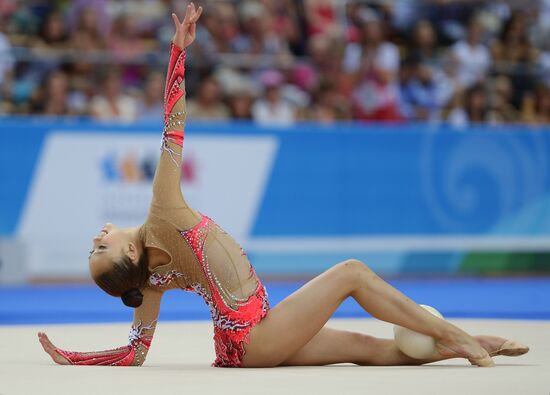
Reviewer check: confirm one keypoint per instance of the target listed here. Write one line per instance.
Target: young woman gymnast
(177, 247)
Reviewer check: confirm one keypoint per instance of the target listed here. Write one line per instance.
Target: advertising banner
(402, 198)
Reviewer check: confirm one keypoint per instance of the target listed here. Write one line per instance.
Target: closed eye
(101, 247)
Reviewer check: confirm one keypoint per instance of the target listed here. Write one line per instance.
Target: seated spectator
(536, 107)
(53, 32)
(472, 57)
(112, 104)
(217, 28)
(125, 42)
(423, 43)
(475, 107)
(7, 60)
(271, 109)
(286, 16)
(52, 97)
(256, 37)
(207, 104)
(329, 106)
(87, 36)
(324, 63)
(502, 110)
(375, 64)
(151, 105)
(90, 16)
(240, 105)
(423, 90)
(321, 16)
(515, 56)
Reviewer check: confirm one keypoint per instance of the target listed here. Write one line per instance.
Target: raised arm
(166, 184)
(133, 354)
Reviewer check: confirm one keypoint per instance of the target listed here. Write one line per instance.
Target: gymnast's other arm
(133, 354)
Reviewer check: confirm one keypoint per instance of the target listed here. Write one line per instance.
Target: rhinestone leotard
(201, 257)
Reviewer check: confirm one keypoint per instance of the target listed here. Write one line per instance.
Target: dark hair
(125, 279)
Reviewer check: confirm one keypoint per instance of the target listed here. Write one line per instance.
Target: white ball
(414, 344)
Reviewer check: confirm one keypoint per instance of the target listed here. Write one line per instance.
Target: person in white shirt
(472, 57)
(272, 110)
(113, 105)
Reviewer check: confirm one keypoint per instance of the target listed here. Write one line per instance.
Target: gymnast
(177, 247)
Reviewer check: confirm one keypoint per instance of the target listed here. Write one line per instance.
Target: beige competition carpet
(180, 357)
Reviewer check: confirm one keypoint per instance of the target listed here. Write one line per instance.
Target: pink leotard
(201, 257)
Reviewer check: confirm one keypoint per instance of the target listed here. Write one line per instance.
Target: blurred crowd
(280, 61)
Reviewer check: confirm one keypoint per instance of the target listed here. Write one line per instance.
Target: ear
(132, 252)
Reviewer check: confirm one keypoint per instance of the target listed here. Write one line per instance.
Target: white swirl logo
(472, 181)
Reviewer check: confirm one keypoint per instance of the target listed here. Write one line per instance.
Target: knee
(353, 269)
(353, 266)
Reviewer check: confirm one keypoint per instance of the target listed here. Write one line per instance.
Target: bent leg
(298, 318)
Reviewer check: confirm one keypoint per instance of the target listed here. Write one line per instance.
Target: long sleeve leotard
(203, 258)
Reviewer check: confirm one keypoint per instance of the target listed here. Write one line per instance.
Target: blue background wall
(354, 180)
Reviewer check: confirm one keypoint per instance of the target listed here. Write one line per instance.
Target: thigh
(293, 322)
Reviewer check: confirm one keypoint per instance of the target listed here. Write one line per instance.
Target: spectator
(207, 105)
(91, 16)
(7, 63)
(151, 105)
(424, 43)
(7, 60)
(125, 42)
(324, 63)
(536, 108)
(53, 32)
(472, 57)
(272, 109)
(113, 104)
(502, 110)
(475, 108)
(256, 38)
(87, 37)
(218, 27)
(423, 91)
(321, 17)
(52, 96)
(329, 106)
(240, 105)
(515, 56)
(375, 64)
(286, 16)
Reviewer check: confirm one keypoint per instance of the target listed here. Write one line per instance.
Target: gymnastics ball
(414, 344)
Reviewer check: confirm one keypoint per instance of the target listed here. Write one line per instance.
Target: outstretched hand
(51, 349)
(185, 31)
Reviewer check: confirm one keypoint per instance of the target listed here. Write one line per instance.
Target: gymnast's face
(108, 247)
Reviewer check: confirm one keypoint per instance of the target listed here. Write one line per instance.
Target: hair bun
(132, 298)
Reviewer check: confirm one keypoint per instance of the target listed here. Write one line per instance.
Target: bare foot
(51, 349)
(460, 344)
(499, 346)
